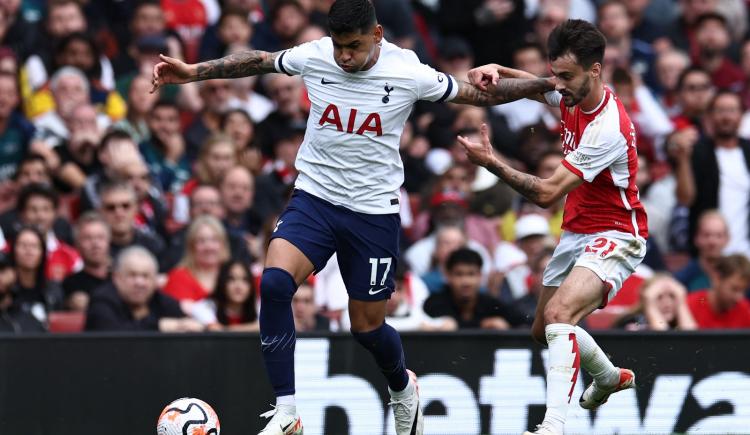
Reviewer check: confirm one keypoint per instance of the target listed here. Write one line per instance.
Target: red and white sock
(595, 361)
(564, 363)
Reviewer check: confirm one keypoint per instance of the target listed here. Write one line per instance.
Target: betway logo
(509, 392)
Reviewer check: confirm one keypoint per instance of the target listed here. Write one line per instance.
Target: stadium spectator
(92, 236)
(13, 319)
(721, 171)
(16, 32)
(205, 200)
(713, 39)
(38, 207)
(694, 94)
(132, 303)
(237, 190)
(257, 106)
(189, 19)
(404, 309)
(35, 294)
(462, 300)
(140, 104)
(238, 125)
(70, 89)
(147, 20)
(532, 236)
(152, 211)
(15, 131)
(31, 169)
(616, 25)
(119, 208)
(76, 157)
(235, 298)
(711, 238)
(724, 304)
(116, 152)
(217, 156)
(669, 66)
(663, 307)
(288, 19)
(682, 32)
(286, 92)
(306, 315)
(164, 151)
(643, 27)
(275, 186)
(195, 277)
(215, 95)
(527, 303)
(233, 30)
(447, 240)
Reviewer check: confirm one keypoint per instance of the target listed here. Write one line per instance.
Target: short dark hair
(736, 264)
(36, 189)
(30, 158)
(351, 16)
(710, 16)
(115, 134)
(579, 38)
(690, 70)
(160, 104)
(724, 93)
(281, 4)
(463, 256)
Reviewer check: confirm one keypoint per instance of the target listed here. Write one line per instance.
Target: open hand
(170, 70)
(482, 153)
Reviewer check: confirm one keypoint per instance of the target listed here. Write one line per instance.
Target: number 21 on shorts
(374, 263)
(601, 247)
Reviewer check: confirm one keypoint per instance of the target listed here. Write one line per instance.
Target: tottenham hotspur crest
(388, 90)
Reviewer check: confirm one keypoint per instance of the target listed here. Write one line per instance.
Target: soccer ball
(188, 416)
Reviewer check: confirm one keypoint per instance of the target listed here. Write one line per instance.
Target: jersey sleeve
(292, 61)
(432, 85)
(597, 151)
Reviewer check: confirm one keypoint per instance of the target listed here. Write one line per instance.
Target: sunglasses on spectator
(114, 206)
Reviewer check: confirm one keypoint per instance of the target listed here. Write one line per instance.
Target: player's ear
(377, 33)
(596, 70)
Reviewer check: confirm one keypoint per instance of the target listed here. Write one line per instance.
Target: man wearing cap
(511, 259)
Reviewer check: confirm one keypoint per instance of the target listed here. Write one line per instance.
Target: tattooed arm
(542, 191)
(248, 63)
(504, 91)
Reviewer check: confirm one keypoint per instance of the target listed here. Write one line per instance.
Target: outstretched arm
(486, 77)
(542, 191)
(504, 91)
(249, 63)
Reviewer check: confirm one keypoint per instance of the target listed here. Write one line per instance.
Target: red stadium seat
(65, 321)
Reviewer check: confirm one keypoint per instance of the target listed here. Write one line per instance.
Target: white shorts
(611, 255)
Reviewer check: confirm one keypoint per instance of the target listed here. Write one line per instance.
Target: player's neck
(593, 99)
(373, 59)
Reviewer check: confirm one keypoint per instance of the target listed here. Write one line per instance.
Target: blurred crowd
(126, 210)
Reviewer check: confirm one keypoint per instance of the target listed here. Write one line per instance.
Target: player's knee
(557, 313)
(277, 285)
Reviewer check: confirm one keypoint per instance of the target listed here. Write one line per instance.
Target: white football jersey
(350, 154)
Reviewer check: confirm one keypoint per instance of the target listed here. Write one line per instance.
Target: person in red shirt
(713, 39)
(195, 277)
(724, 305)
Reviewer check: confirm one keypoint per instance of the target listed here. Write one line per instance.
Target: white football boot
(542, 429)
(406, 410)
(284, 421)
(594, 396)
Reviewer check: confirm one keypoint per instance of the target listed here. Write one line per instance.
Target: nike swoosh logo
(377, 291)
(324, 82)
(283, 429)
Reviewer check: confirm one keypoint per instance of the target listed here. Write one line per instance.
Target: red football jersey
(600, 147)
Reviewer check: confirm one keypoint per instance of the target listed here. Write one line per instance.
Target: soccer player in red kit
(604, 223)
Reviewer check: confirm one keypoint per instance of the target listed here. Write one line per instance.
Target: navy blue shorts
(366, 244)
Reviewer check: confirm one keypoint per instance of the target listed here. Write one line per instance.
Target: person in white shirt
(362, 89)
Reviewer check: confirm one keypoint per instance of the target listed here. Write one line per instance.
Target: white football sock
(564, 361)
(287, 400)
(595, 361)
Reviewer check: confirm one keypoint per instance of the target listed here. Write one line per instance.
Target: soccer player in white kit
(604, 223)
(362, 90)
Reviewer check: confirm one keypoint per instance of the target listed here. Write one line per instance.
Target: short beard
(583, 91)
